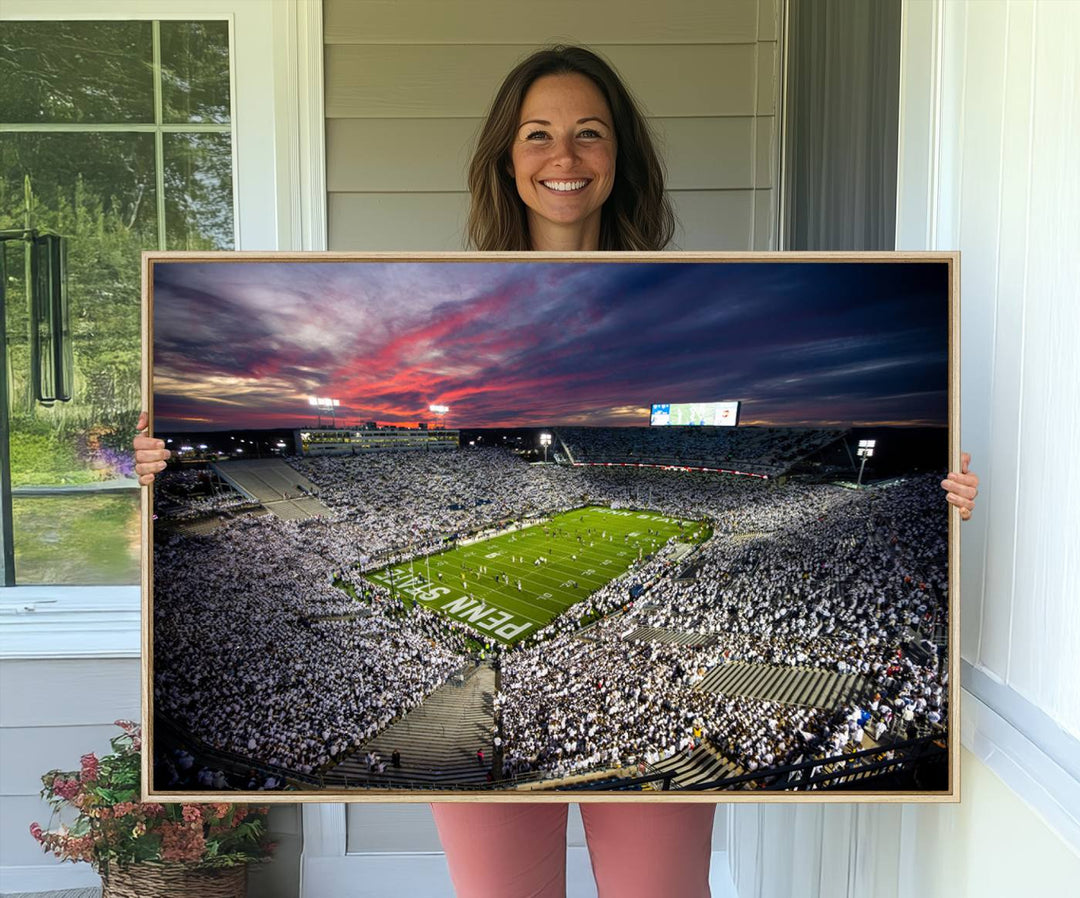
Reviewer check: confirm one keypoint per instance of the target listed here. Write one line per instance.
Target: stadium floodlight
(325, 402)
(440, 411)
(865, 451)
(545, 441)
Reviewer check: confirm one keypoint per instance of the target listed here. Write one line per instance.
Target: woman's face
(563, 160)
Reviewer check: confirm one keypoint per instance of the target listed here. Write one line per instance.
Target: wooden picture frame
(743, 635)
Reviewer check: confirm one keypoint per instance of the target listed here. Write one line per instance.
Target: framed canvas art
(537, 527)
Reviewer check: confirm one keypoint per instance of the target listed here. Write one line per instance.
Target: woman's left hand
(962, 488)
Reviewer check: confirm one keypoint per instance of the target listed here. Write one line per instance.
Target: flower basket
(148, 849)
(173, 881)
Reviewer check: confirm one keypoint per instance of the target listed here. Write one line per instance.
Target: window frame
(276, 94)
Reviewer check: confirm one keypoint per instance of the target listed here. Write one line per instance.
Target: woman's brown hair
(637, 214)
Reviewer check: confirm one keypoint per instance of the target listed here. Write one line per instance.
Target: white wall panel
(990, 846)
(1004, 189)
(990, 137)
(713, 219)
(398, 221)
(393, 826)
(457, 80)
(765, 151)
(28, 752)
(1012, 222)
(432, 155)
(1045, 635)
(52, 713)
(380, 154)
(979, 156)
(766, 220)
(527, 22)
(66, 693)
(407, 84)
(17, 846)
(769, 12)
(767, 91)
(707, 153)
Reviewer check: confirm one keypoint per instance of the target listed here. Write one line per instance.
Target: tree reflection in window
(118, 136)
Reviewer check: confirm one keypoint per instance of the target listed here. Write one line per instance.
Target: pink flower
(89, 767)
(66, 789)
(36, 831)
(181, 842)
(191, 813)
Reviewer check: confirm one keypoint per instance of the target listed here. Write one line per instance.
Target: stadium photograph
(600, 526)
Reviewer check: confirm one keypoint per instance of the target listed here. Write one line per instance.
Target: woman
(565, 163)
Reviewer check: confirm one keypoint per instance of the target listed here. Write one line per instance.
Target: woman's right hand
(150, 454)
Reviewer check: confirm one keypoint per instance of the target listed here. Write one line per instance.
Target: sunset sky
(244, 344)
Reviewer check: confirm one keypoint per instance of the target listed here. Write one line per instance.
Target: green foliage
(104, 296)
(77, 539)
(40, 458)
(99, 190)
(114, 827)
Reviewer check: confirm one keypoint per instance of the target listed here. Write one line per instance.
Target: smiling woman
(561, 117)
(563, 160)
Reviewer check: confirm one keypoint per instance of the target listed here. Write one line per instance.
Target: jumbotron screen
(699, 414)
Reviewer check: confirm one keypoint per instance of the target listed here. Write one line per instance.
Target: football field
(514, 584)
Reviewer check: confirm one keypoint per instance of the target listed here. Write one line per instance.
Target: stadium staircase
(438, 741)
(670, 637)
(704, 765)
(789, 685)
(272, 483)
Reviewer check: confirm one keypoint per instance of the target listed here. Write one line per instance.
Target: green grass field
(500, 586)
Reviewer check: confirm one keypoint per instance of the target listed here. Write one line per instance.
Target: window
(118, 136)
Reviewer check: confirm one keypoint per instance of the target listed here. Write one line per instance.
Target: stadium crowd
(258, 653)
(765, 450)
(260, 649)
(818, 577)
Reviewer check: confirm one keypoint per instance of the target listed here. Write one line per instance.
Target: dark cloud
(244, 343)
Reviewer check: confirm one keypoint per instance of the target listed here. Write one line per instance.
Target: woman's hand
(150, 454)
(962, 488)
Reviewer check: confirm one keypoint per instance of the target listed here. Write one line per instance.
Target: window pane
(76, 72)
(198, 191)
(77, 540)
(98, 191)
(195, 71)
(75, 499)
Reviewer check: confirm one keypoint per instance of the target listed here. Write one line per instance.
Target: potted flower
(143, 849)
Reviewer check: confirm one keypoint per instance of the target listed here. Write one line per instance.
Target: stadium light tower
(545, 441)
(440, 412)
(865, 451)
(325, 402)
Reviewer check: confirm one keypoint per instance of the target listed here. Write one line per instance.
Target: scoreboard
(695, 414)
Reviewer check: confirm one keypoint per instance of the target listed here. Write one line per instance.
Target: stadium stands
(270, 643)
(759, 450)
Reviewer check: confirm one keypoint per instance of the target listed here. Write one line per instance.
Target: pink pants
(642, 850)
